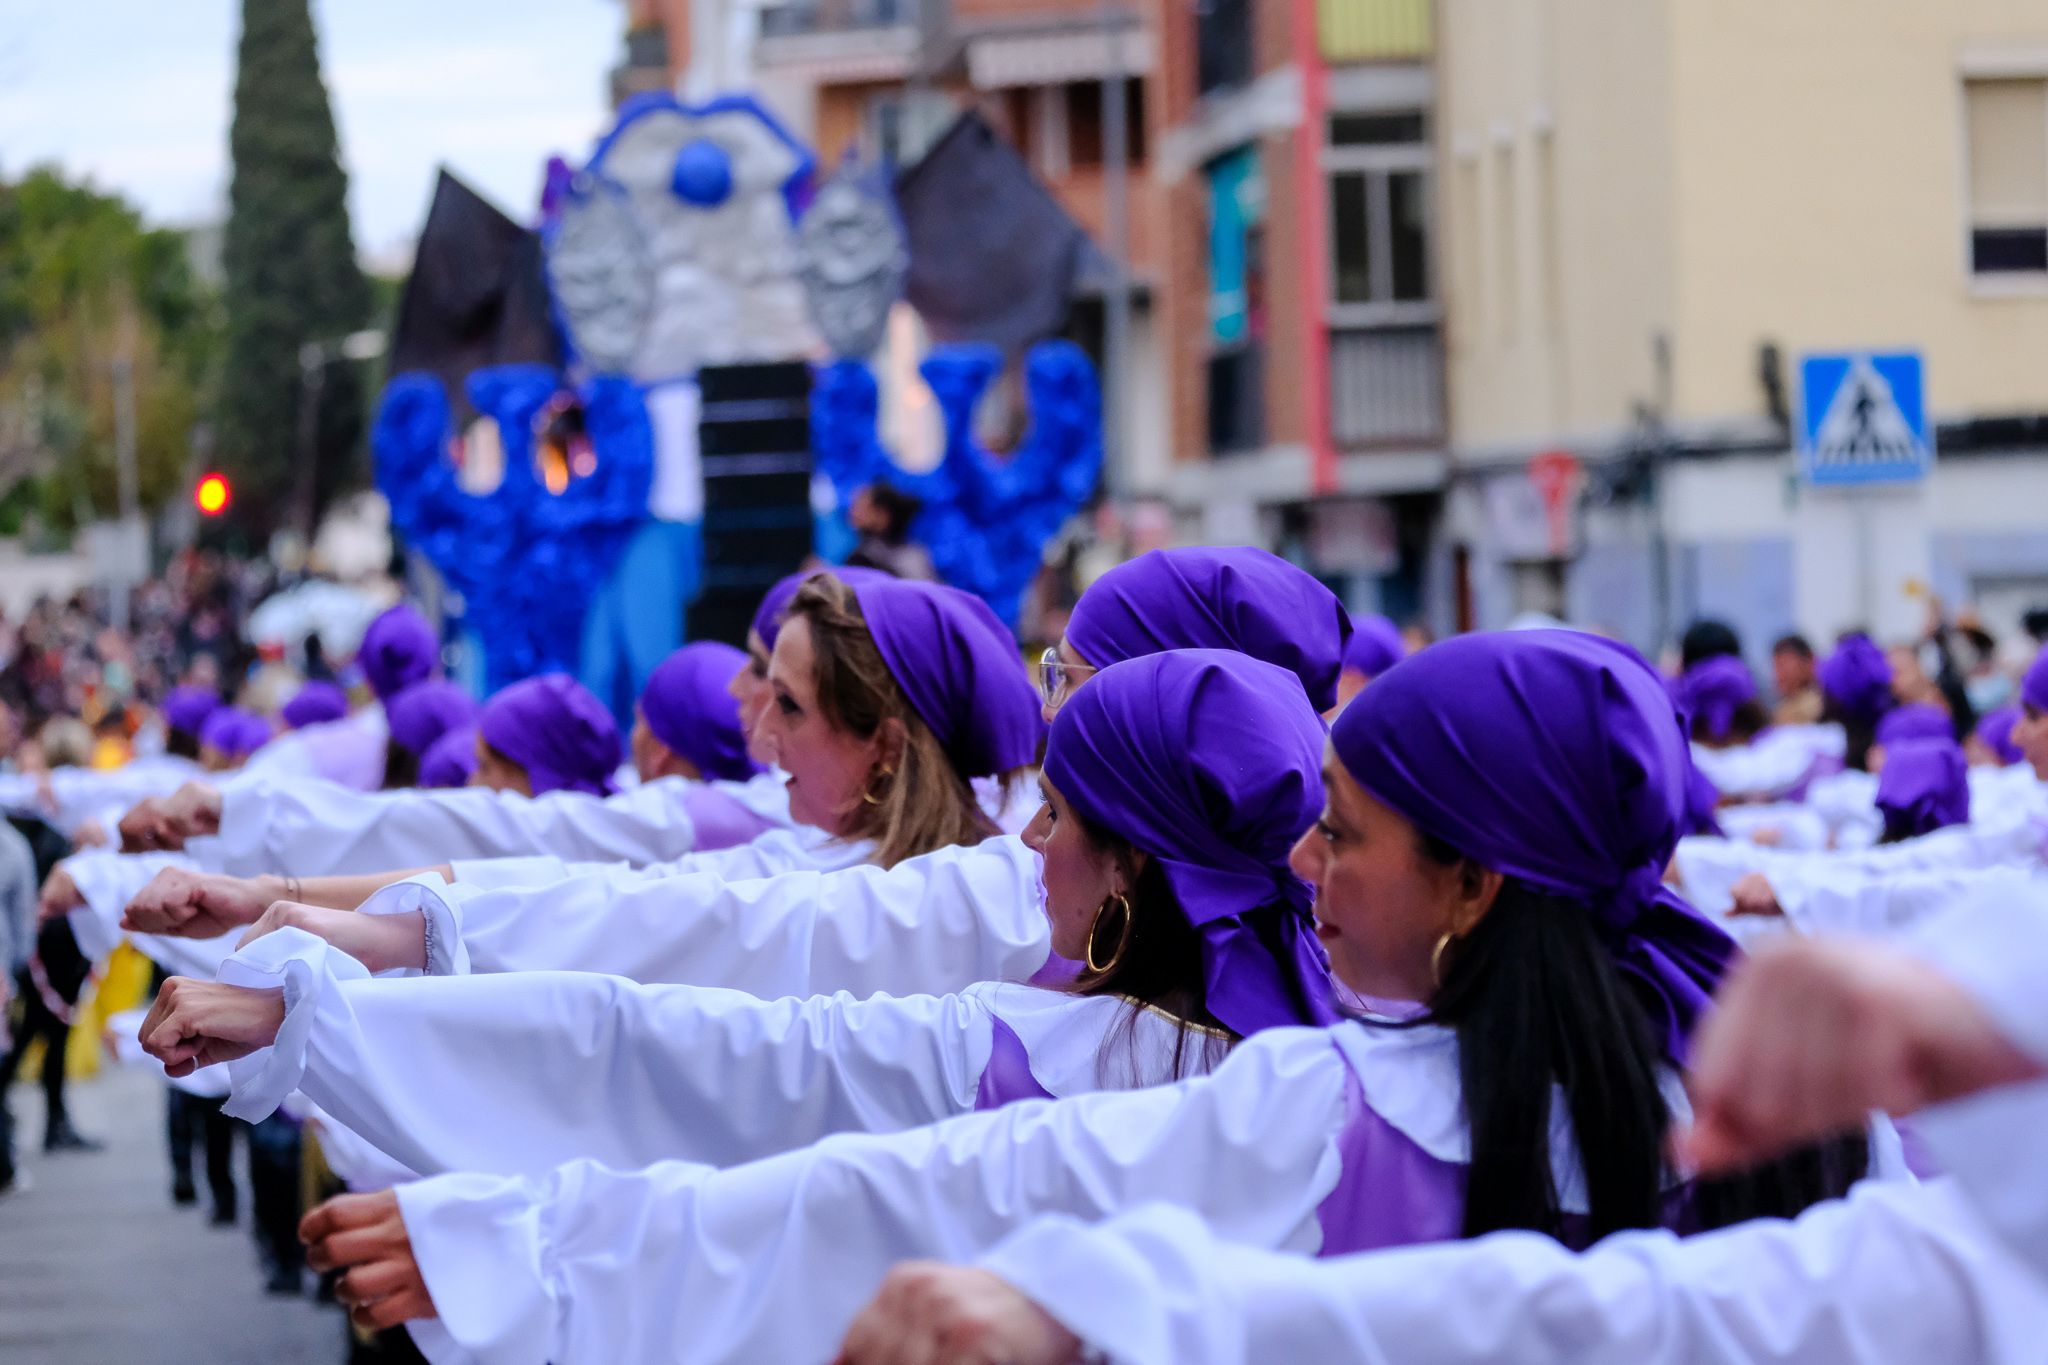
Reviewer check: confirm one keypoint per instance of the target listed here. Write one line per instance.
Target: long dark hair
(1536, 1001)
(401, 766)
(1861, 732)
(1160, 968)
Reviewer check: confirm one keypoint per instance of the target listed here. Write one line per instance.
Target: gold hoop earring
(1123, 938)
(885, 774)
(1436, 957)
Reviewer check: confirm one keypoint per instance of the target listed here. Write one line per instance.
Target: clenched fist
(197, 1023)
(181, 903)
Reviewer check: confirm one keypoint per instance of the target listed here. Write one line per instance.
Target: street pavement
(97, 1267)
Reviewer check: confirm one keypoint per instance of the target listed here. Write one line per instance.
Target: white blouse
(937, 922)
(521, 1072)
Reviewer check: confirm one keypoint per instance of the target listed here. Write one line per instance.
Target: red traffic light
(212, 495)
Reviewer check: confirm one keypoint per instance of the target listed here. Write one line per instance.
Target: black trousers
(190, 1120)
(33, 1019)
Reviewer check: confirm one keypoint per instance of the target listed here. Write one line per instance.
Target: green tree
(291, 272)
(83, 282)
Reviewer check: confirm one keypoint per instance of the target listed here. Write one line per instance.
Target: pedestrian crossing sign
(1863, 418)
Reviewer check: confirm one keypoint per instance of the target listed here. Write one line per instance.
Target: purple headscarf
(1925, 786)
(186, 708)
(235, 732)
(398, 649)
(314, 703)
(688, 707)
(449, 760)
(1376, 645)
(1858, 679)
(1234, 598)
(1712, 690)
(1210, 762)
(768, 616)
(424, 712)
(1554, 757)
(1994, 732)
(2034, 685)
(960, 669)
(1918, 721)
(555, 729)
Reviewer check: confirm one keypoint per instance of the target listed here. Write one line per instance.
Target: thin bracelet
(291, 889)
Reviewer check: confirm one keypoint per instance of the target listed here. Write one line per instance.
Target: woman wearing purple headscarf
(1925, 786)
(314, 704)
(1376, 646)
(229, 736)
(1500, 810)
(419, 718)
(1991, 743)
(185, 710)
(1175, 786)
(1233, 597)
(1719, 696)
(399, 649)
(450, 761)
(546, 734)
(1856, 691)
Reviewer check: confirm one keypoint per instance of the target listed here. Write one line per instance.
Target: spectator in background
(1706, 639)
(1796, 679)
(882, 515)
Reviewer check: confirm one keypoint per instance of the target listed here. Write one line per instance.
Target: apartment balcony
(1376, 30)
(1386, 386)
(841, 41)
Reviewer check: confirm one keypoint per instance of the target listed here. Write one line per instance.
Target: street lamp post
(314, 358)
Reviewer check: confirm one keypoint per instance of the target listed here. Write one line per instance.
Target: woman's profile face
(829, 769)
(1381, 904)
(749, 687)
(1077, 876)
(497, 772)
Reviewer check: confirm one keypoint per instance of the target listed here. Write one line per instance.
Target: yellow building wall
(1820, 181)
(1556, 201)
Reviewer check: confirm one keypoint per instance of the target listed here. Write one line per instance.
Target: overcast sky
(136, 95)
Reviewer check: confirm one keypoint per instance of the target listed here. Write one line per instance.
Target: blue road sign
(1863, 418)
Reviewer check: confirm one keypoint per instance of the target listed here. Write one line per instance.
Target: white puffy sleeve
(937, 922)
(311, 828)
(769, 1261)
(1873, 905)
(108, 881)
(1709, 868)
(520, 1073)
(1891, 1276)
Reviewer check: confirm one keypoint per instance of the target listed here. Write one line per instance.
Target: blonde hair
(924, 804)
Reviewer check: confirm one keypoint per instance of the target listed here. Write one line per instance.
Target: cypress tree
(290, 267)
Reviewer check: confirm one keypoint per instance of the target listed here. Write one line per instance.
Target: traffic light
(212, 495)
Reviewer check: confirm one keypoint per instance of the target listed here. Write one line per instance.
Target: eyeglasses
(1056, 677)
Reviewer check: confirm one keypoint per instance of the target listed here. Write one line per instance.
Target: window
(1084, 122)
(1379, 215)
(1377, 130)
(1505, 245)
(2008, 151)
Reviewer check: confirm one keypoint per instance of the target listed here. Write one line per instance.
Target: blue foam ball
(703, 174)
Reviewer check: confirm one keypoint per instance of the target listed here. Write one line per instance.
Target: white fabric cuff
(1095, 1282)
(428, 895)
(478, 1242)
(303, 965)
